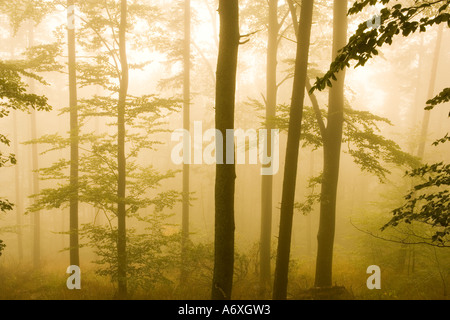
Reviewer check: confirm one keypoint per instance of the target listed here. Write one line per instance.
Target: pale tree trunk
(186, 126)
(426, 124)
(332, 142)
(19, 200)
(292, 150)
(18, 193)
(121, 158)
(226, 172)
(73, 210)
(430, 94)
(35, 168)
(267, 180)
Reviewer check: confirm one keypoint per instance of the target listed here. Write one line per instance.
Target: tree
(358, 130)
(430, 206)
(186, 126)
(292, 150)
(121, 159)
(74, 130)
(112, 178)
(225, 167)
(332, 141)
(267, 180)
(13, 92)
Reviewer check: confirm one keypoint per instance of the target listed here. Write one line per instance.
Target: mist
(224, 150)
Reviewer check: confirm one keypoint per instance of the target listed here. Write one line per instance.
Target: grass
(20, 282)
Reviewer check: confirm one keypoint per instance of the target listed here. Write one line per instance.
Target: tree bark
(332, 150)
(186, 126)
(267, 180)
(121, 190)
(292, 149)
(225, 172)
(73, 210)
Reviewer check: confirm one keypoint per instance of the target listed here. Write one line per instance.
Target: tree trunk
(19, 200)
(267, 180)
(35, 168)
(292, 149)
(121, 159)
(431, 89)
(332, 150)
(18, 193)
(225, 171)
(186, 126)
(73, 210)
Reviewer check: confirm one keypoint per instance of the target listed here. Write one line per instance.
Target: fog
(172, 241)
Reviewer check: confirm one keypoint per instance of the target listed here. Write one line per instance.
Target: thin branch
(400, 241)
(208, 64)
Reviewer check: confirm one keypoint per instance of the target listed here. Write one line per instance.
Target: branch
(400, 241)
(317, 111)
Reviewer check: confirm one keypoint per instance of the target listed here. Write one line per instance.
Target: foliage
(98, 168)
(2, 247)
(361, 135)
(442, 97)
(428, 202)
(151, 255)
(13, 89)
(20, 11)
(364, 43)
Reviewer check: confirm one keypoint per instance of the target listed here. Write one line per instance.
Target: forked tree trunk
(121, 159)
(332, 150)
(292, 149)
(225, 172)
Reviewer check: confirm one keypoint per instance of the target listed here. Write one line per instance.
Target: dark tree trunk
(121, 159)
(225, 173)
(332, 151)
(73, 210)
(186, 126)
(267, 180)
(292, 149)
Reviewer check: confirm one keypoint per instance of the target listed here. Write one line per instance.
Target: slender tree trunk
(18, 202)
(225, 171)
(426, 122)
(121, 159)
(73, 210)
(18, 193)
(431, 89)
(267, 180)
(332, 151)
(35, 168)
(292, 150)
(186, 126)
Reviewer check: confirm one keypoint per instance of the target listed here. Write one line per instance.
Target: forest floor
(20, 282)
